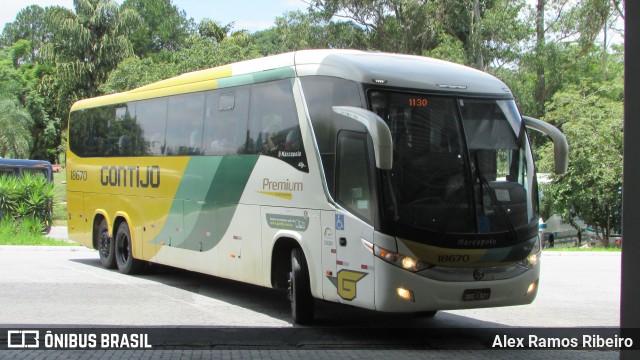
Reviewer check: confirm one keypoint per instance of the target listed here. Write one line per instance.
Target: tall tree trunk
(604, 54)
(477, 40)
(540, 45)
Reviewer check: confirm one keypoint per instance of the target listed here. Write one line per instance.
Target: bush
(27, 200)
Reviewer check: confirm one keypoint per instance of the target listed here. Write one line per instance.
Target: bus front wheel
(124, 251)
(105, 246)
(299, 289)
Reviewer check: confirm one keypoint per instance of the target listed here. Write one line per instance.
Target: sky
(252, 15)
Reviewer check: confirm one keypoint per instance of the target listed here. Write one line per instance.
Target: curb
(44, 248)
(580, 253)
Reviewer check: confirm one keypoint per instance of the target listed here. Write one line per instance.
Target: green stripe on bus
(206, 201)
(253, 78)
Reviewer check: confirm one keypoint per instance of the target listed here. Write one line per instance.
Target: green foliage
(299, 31)
(29, 196)
(213, 31)
(28, 26)
(87, 45)
(135, 72)
(163, 27)
(27, 231)
(15, 122)
(202, 54)
(449, 49)
(592, 188)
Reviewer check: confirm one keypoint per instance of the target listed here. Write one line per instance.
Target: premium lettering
(286, 185)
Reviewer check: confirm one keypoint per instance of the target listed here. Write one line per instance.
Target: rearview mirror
(377, 128)
(560, 145)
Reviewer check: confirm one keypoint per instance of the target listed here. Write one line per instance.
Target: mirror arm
(560, 145)
(377, 128)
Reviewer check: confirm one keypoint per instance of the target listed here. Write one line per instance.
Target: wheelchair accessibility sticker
(339, 222)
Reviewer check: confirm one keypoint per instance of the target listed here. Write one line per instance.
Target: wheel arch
(98, 216)
(281, 260)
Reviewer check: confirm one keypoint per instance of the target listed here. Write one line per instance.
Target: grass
(12, 234)
(60, 199)
(32, 240)
(586, 249)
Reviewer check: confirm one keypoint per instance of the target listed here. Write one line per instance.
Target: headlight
(406, 262)
(532, 259)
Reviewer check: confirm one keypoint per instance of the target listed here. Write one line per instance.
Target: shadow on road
(335, 326)
(275, 304)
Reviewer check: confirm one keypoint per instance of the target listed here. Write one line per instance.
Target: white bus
(388, 182)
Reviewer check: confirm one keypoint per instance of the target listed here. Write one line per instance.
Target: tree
(298, 31)
(487, 30)
(163, 28)
(392, 25)
(29, 25)
(561, 24)
(203, 54)
(212, 30)
(135, 72)
(591, 119)
(15, 121)
(87, 45)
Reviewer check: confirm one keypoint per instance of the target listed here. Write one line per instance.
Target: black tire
(299, 289)
(105, 246)
(124, 252)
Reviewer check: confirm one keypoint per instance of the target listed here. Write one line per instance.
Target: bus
(17, 167)
(389, 182)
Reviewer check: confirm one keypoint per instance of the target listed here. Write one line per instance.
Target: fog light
(405, 294)
(532, 287)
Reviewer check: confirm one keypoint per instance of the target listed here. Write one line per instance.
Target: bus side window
(225, 121)
(184, 124)
(353, 175)
(151, 117)
(274, 129)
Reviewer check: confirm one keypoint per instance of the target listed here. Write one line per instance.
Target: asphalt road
(41, 286)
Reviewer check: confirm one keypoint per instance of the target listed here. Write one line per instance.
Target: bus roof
(393, 70)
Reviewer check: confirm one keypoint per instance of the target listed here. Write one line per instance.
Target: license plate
(476, 294)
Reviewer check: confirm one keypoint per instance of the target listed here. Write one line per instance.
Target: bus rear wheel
(124, 251)
(105, 246)
(299, 289)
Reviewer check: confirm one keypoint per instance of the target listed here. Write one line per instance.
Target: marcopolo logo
(130, 176)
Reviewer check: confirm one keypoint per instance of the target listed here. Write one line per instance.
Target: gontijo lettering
(130, 176)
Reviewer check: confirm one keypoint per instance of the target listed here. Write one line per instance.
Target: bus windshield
(460, 166)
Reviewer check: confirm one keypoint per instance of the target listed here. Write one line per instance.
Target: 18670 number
(78, 175)
(453, 258)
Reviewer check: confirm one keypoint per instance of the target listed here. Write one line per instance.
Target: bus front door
(354, 233)
(354, 260)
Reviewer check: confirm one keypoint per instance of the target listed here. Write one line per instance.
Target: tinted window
(151, 117)
(321, 94)
(126, 137)
(184, 124)
(104, 131)
(78, 132)
(354, 184)
(205, 123)
(274, 129)
(225, 121)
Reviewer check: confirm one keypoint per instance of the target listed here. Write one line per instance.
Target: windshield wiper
(503, 215)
